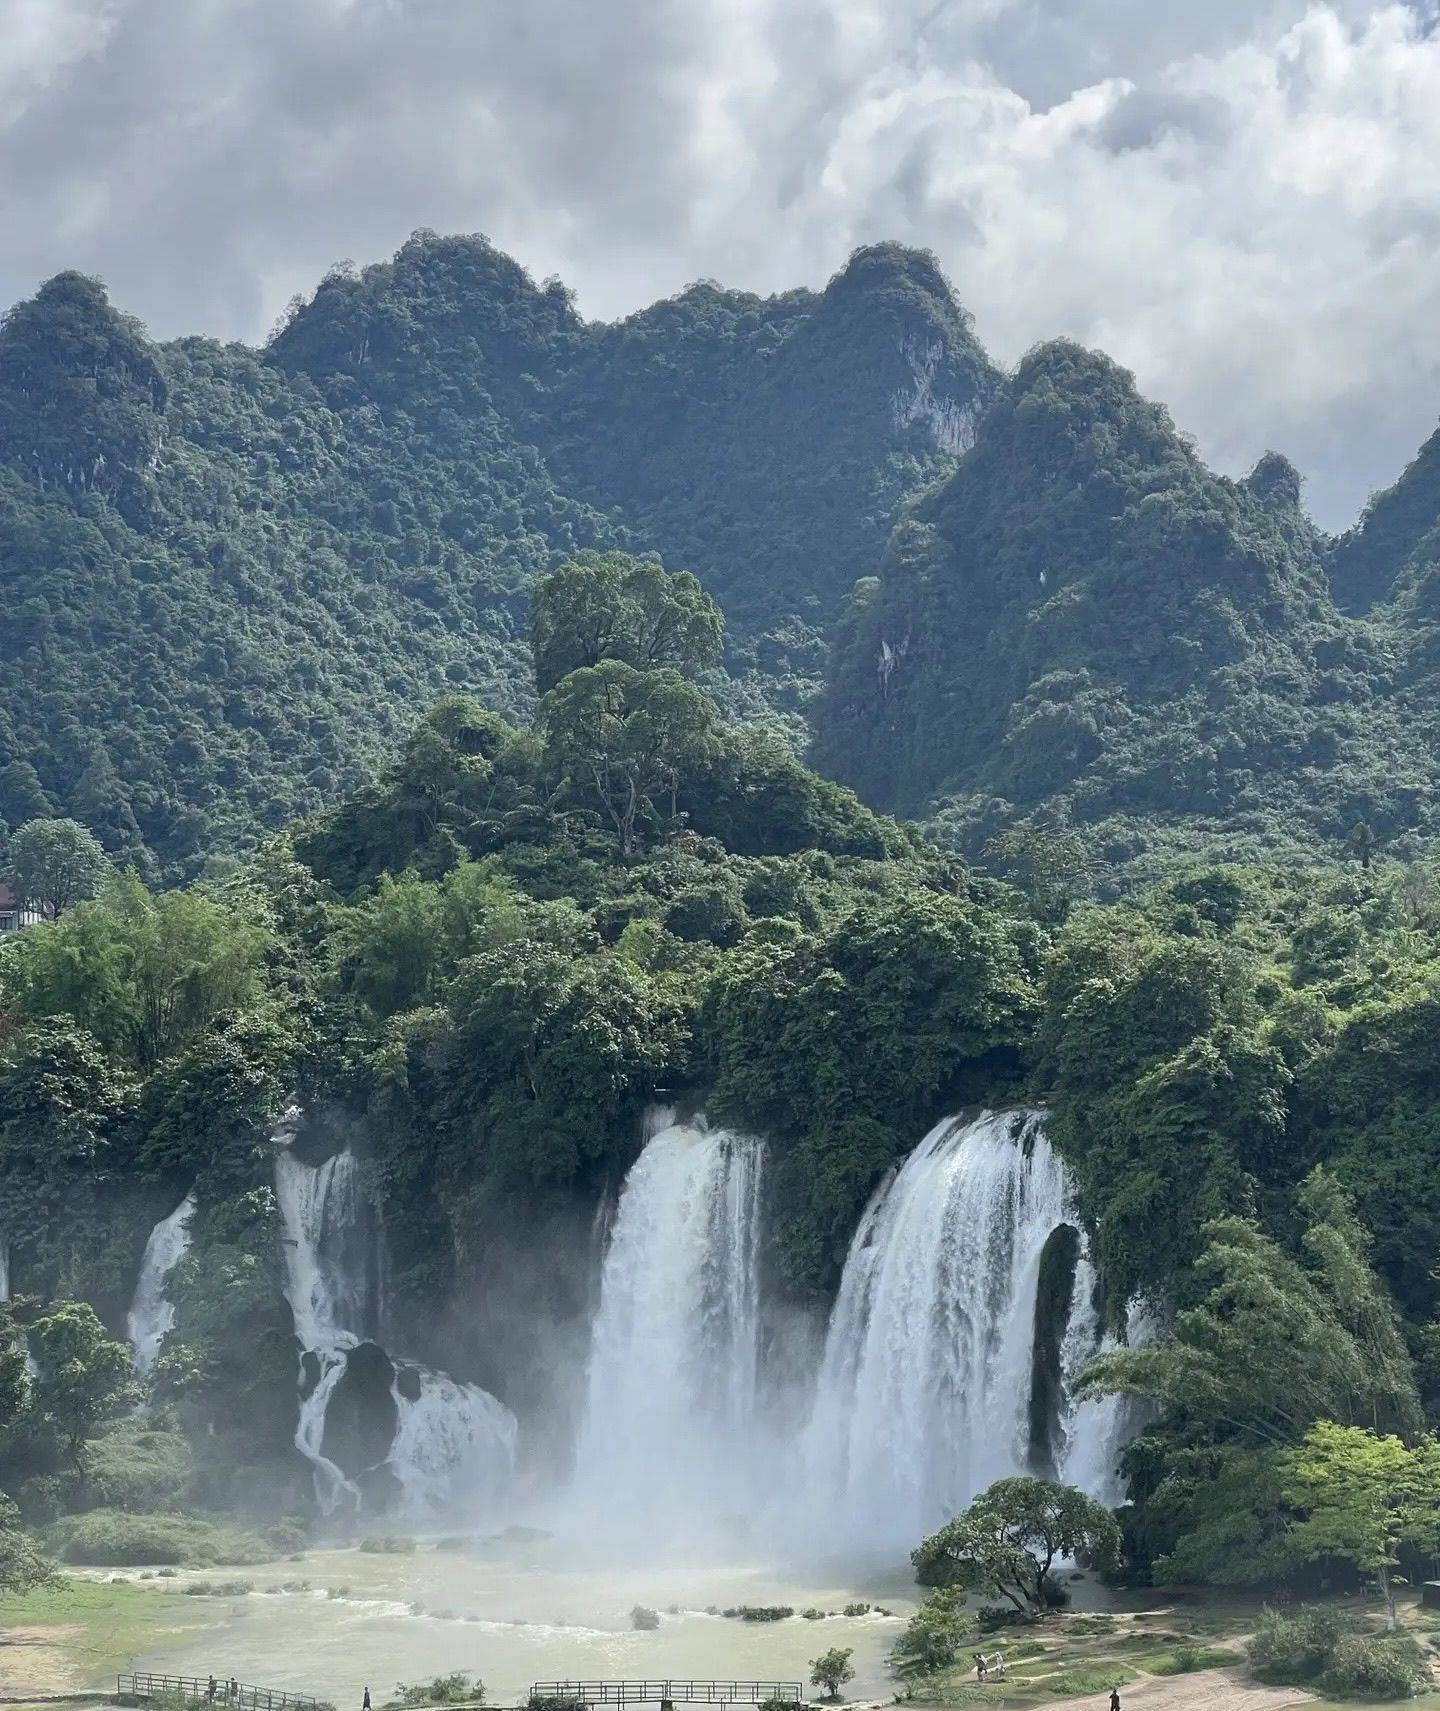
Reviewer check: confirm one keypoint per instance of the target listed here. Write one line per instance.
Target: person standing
(1114, 1699)
(365, 1703)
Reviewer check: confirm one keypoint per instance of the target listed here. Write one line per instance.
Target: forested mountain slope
(232, 576)
(1086, 626)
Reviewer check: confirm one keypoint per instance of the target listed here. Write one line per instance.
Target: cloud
(1240, 201)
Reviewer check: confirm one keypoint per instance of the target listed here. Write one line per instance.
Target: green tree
(832, 1669)
(22, 1568)
(83, 1377)
(144, 974)
(624, 739)
(1276, 1343)
(22, 796)
(603, 606)
(53, 864)
(1364, 1498)
(1361, 842)
(1008, 1539)
(1048, 867)
(931, 1638)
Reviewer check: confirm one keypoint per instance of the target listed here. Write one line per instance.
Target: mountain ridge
(292, 551)
(998, 600)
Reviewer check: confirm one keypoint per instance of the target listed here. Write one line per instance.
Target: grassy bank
(1150, 1652)
(78, 1636)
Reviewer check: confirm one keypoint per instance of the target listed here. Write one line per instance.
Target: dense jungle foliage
(231, 576)
(492, 833)
(1083, 630)
(480, 973)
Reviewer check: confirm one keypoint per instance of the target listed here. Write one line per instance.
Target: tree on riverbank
(1011, 1535)
(1365, 1498)
(22, 1568)
(832, 1669)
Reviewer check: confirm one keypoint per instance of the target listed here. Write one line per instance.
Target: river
(517, 1611)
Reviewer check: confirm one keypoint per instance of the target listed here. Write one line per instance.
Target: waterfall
(669, 1425)
(453, 1444)
(4, 1268)
(327, 1250)
(1097, 1431)
(325, 1260)
(923, 1396)
(151, 1312)
(450, 1435)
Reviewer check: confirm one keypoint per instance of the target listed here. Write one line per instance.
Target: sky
(1241, 202)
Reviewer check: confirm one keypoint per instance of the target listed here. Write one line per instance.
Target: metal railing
(668, 1692)
(216, 1690)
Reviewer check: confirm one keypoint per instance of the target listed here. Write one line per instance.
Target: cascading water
(453, 1444)
(670, 1422)
(324, 1260)
(4, 1268)
(151, 1312)
(923, 1397)
(1096, 1432)
(450, 1437)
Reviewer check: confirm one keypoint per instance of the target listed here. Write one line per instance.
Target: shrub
(1296, 1645)
(108, 1539)
(760, 1612)
(41, 1500)
(1186, 1658)
(1088, 1678)
(217, 1589)
(461, 1688)
(388, 1544)
(288, 1537)
(141, 1471)
(643, 1618)
(1365, 1666)
(930, 1641)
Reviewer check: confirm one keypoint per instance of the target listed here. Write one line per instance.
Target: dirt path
(1228, 1689)
(37, 1659)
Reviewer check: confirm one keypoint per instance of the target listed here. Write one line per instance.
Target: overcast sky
(1241, 201)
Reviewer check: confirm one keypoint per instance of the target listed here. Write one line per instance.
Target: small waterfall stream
(669, 1426)
(453, 1444)
(325, 1261)
(151, 1312)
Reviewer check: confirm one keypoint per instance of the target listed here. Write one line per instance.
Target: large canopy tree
(603, 606)
(53, 864)
(624, 739)
(1364, 1497)
(1010, 1537)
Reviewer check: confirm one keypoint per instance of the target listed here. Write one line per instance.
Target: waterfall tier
(925, 1390)
(451, 1446)
(152, 1313)
(670, 1423)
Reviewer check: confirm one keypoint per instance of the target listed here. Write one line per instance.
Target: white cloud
(1241, 201)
